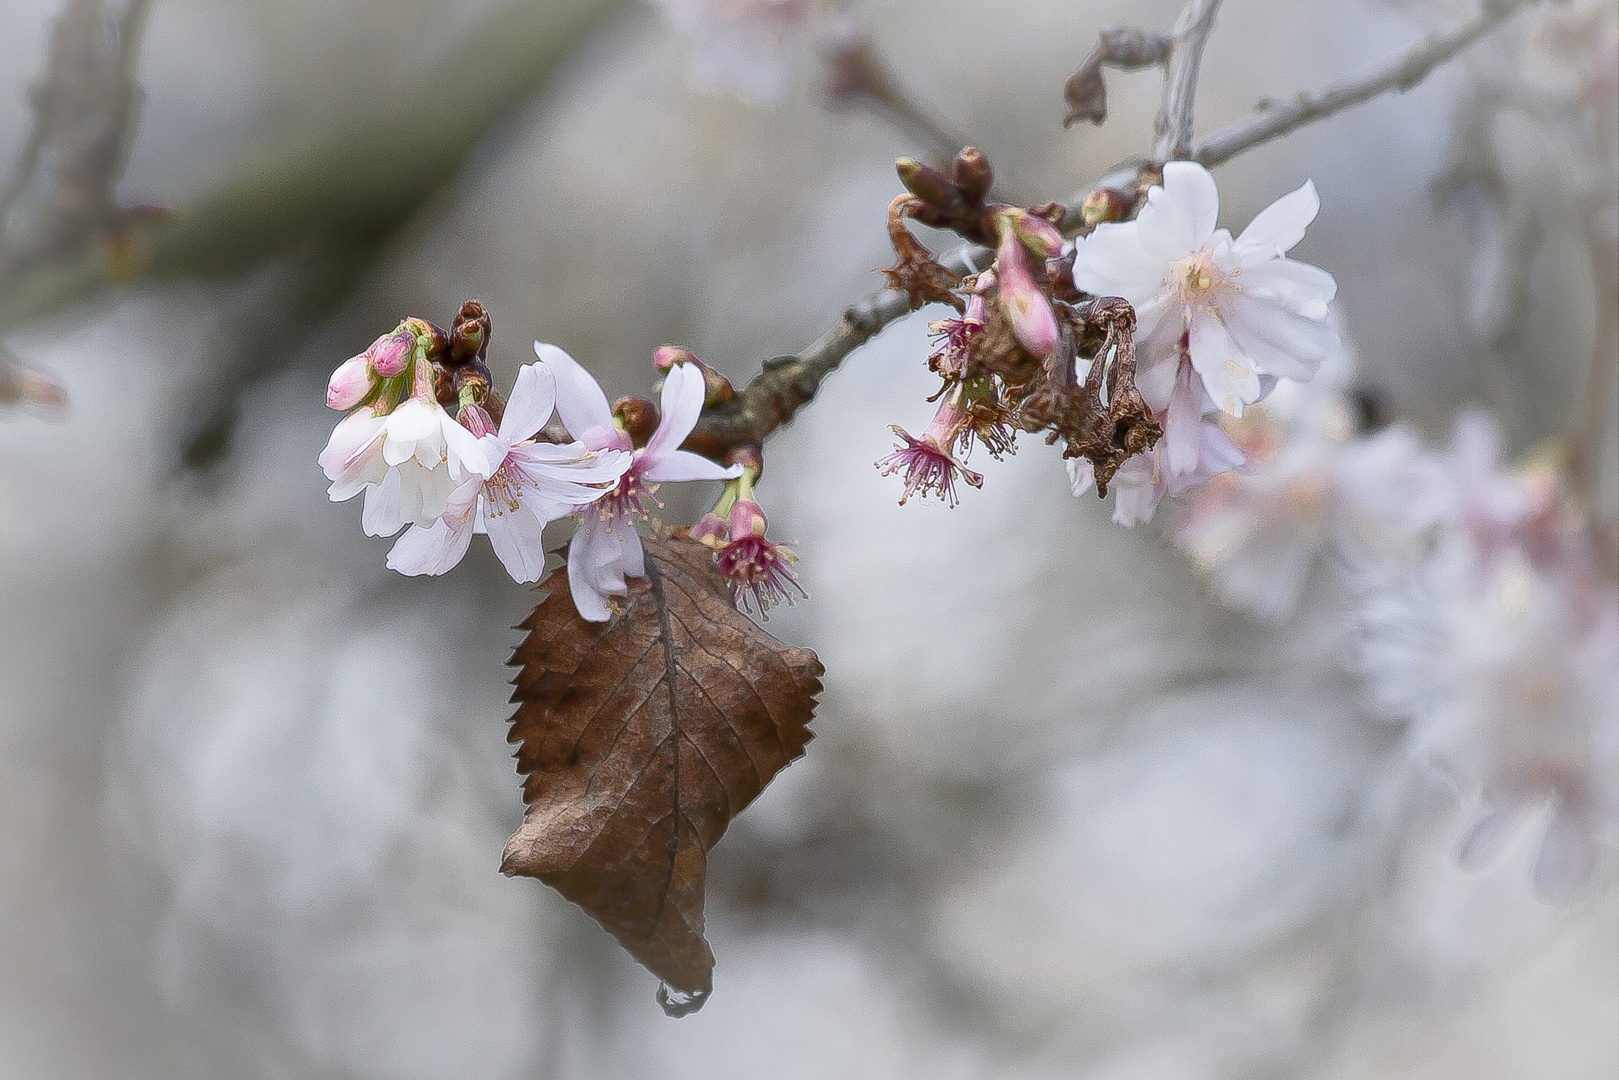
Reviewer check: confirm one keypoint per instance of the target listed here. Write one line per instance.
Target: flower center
(504, 490)
(1195, 277)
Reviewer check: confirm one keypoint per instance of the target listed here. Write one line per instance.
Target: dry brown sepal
(641, 738)
(916, 274)
(1106, 434)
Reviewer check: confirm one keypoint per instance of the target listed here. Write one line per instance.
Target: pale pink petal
(433, 550)
(1180, 216)
(534, 396)
(1300, 287)
(1279, 226)
(1284, 344)
(519, 542)
(685, 465)
(1567, 856)
(424, 493)
(1182, 421)
(1081, 475)
(1485, 839)
(594, 570)
(1111, 262)
(683, 392)
(353, 456)
(383, 514)
(579, 398)
(1227, 374)
(464, 454)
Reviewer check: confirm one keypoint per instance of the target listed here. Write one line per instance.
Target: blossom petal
(579, 398)
(685, 465)
(600, 555)
(1567, 856)
(383, 514)
(1180, 216)
(413, 422)
(1279, 226)
(433, 550)
(1228, 375)
(1081, 475)
(533, 399)
(1111, 262)
(352, 458)
(683, 391)
(519, 542)
(463, 453)
(1301, 288)
(1182, 422)
(1284, 344)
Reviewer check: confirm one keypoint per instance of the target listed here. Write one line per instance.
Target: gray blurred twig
(1189, 35)
(1401, 73)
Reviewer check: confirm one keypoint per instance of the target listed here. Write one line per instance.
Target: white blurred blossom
(742, 47)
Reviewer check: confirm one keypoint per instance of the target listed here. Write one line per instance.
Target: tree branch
(1191, 33)
(1401, 73)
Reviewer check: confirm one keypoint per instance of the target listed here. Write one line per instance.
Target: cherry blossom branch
(1274, 119)
(1190, 34)
(787, 383)
(860, 76)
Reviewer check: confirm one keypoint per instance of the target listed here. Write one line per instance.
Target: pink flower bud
(1036, 233)
(391, 352)
(710, 530)
(1026, 307)
(667, 356)
(349, 384)
(747, 519)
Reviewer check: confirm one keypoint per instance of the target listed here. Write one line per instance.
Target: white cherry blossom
(528, 485)
(1241, 309)
(606, 548)
(740, 46)
(407, 462)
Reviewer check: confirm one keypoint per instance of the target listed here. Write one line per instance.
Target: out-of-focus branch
(86, 106)
(1190, 34)
(1400, 73)
(1127, 48)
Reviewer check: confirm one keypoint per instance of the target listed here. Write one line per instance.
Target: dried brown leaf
(641, 738)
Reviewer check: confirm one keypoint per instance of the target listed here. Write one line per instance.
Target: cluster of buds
(1011, 358)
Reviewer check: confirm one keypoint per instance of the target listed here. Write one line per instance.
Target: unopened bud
(717, 389)
(637, 417)
(390, 353)
(469, 334)
(349, 384)
(927, 183)
(1026, 307)
(1104, 204)
(430, 338)
(1035, 233)
(972, 174)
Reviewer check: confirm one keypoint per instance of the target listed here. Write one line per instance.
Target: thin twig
(1401, 73)
(1191, 33)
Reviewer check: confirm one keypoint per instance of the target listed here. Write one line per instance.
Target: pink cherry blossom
(1245, 309)
(530, 484)
(606, 548)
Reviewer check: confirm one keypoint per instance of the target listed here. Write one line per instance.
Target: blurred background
(1065, 814)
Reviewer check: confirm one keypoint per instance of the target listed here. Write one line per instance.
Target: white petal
(592, 562)
(434, 550)
(383, 515)
(1284, 344)
(685, 465)
(1567, 855)
(1136, 500)
(580, 401)
(424, 494)
(463, 453)
(683, 392)
(413, 422)
(1280, 225)
(1111, 262)
(353, 448)
(1180, 216)
(1081, 475)
(534, 396)
(1227, 374)
(1183, 422)
(518, 539)
(1301, 288)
